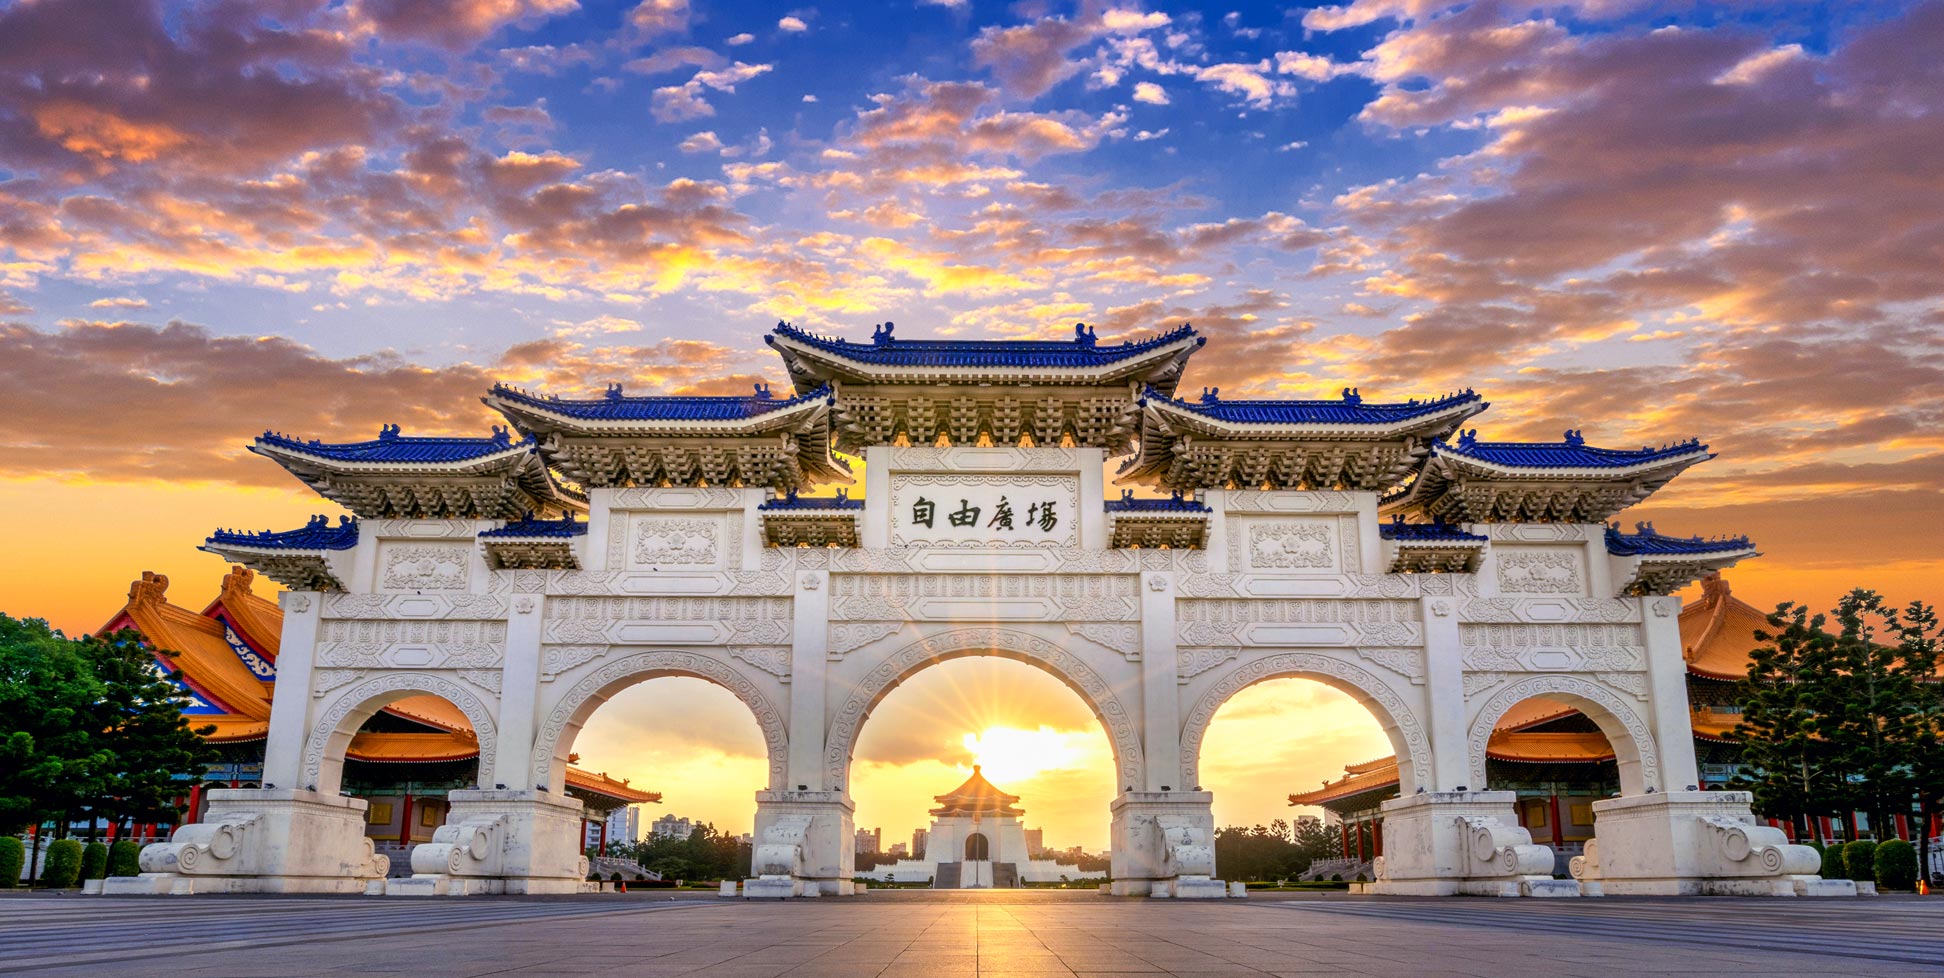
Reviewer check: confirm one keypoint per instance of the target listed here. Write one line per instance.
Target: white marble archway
(331, 734)
(1634, 747)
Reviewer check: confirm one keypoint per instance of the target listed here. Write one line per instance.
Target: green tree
(139, 718)
(1871, 714)
(51, 757)
(1794, 771)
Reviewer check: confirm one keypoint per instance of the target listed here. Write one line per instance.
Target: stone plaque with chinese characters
(985, 510)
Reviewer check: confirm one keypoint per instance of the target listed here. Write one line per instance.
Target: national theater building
(401, 762)
(1068, 504)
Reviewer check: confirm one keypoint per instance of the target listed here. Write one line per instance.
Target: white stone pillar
(1160, 688)
(1093, 493)
(1444, 692)
(876, 529)
(809, 665)
(283, 748)
(1667, 689)
(519, 692)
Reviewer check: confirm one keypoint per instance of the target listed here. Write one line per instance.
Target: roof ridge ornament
(1575, 437)
(1468, 438)
(387, 432)
(881, 335)
(1352, 395)
(763, 392)
(1083, 336)
(1211, 395)
(614, 392)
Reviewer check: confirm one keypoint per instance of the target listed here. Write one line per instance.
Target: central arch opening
(1296, 736)
(941, 753)
(697, 748)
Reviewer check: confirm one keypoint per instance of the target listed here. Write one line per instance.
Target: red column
(405, 822)
(1559, 830)
(1828, 829)
(601, 848)
(1360, 841)
(1903, 828)
(1345, 826)
(1377, 838)
(194, 814)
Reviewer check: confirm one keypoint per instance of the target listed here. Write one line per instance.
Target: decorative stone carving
(436, 644)
(523, 604)
(676, 542)
(1540, 572)
(1478, 682)
(325, 680)
(848, 637)
(1408, 663)
(1292, 546)
(1400, 719)
(1065, 597)
(486, 679)
(1063, 665)
(1125, 639)
(424, 567)
(556, 659)
(679, 498)
(383, 689)
(572, 706)
(1190, 663)
(1638, 744)
(1632, 682)
(811, 580)
(297, 603)
(1553, 648)
(1321, 622)
(773, 659)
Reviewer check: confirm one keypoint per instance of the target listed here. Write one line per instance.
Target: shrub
(1859, 860)
(125, 858)
(1832, 867)
(63, 865)
(13, 856)
(1896, 865)
(94, 861)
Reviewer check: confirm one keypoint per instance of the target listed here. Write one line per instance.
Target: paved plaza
(961, 935)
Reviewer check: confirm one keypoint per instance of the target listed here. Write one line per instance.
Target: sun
(1010, 754)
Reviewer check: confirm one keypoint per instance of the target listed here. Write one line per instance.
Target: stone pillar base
(500, 841)
(1682, 843)
(276, 840)
(1164, 845)
(1452, 843)
(803, 838)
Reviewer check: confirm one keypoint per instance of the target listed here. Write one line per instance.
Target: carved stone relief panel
(1553, 648)
(675, 542)
(1298, 623)
(428, 566)
(951, 597)
(1541, 570)
(438, 644)
(591, 621)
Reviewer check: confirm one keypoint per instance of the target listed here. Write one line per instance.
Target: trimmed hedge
(13, 856)
(1859, 859)
(1896, 865)
(125, 858)
(63, 865)
(1832, 867)
(94, 861)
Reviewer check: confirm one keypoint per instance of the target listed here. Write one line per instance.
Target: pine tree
(1872, 712)
(1792, 769)
(139, 715)
(49, 753)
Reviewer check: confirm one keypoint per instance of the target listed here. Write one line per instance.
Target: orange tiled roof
(206, 661)
(1549, 748)
(1381, 773)
(601, 784)
(258, 620)
(1718, 632)
(418, 748)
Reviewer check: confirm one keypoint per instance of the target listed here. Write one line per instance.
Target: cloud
(792, 25)
(677, 103)
(738, 40)
(119, 303)
(453, 24)
(702, 142)
(1150, 93)
(653, 18)
(1029, 59)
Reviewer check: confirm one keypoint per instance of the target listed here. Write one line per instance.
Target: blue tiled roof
(1572, 453)
(1645, 542)
(1435, 532)
(564, 527)
(793, 501)
(616, 406)
(318, 534)
(390, 446)
(1349, 409)
(1177, 503)
(1080, 352)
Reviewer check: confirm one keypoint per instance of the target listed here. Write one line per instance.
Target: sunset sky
(1648, 219)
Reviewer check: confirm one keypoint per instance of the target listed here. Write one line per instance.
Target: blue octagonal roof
(1571, 453)
(1177, 503)
(318, 534)
(793, 501)
(564, 527)
(1078, 353)
(616, 406)
(390, 446)
(1644, 541)
(1434, 532)
(1349, 409)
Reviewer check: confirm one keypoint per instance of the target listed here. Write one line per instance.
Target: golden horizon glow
(1009, 754)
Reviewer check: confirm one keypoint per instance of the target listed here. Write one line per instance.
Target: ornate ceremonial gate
(810, 610)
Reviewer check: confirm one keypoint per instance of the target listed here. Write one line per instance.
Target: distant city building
(869, 840)
(899, 850)
(918, 843)
(670, 827)
(624, 825)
